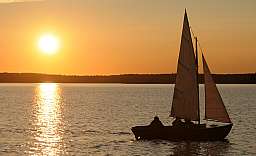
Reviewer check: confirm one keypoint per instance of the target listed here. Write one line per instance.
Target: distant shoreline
(249, 78)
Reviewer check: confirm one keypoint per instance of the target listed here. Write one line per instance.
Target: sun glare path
(48, 44)
(48, 119)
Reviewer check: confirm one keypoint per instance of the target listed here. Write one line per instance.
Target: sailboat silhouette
(185, 104)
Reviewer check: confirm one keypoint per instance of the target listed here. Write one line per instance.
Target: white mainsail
(214, 106)
(185, 102)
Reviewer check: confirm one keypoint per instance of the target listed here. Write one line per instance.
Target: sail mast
(197, 77)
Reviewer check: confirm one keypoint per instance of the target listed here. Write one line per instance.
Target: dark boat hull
(195, 133)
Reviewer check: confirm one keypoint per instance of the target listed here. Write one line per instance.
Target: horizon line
(118, 74)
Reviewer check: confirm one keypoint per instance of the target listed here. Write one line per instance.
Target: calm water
(95, 119)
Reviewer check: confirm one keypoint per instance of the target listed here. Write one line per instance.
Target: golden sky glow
(116, 37)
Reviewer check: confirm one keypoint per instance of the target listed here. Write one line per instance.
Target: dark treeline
(125, 78)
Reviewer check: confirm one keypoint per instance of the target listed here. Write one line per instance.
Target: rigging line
(192, 32)
(200, 47)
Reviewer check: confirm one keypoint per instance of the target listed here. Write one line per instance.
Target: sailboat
(185, 104)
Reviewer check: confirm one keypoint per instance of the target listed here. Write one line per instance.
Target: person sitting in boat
(156, 122)
(177, 122)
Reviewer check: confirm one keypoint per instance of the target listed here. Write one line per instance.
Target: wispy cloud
(15, 1)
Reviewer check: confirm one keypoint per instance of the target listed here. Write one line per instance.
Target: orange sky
(133, 36)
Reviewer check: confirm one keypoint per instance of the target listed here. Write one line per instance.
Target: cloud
(15, 1)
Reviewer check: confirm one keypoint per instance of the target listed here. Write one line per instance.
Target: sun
(48, 44)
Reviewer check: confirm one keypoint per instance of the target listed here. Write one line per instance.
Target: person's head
(156, 118)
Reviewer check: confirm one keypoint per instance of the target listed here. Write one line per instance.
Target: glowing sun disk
(48, 44)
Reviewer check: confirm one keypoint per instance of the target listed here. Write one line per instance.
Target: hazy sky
(125, 36)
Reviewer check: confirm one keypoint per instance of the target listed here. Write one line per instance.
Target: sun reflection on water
(48, 120)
